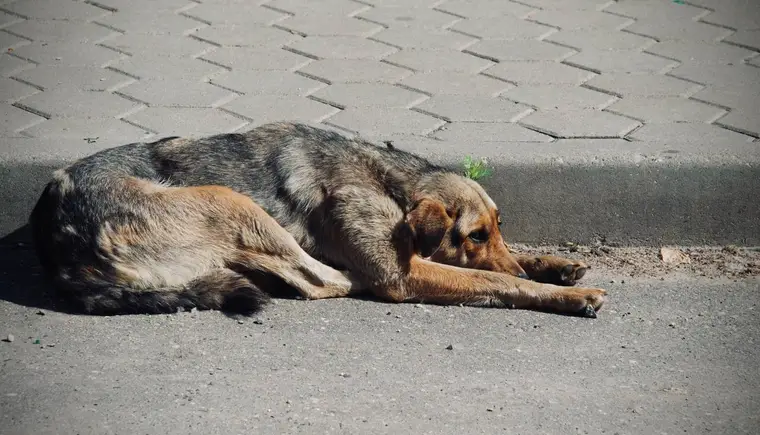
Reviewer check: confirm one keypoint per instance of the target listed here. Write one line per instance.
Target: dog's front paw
(587, 301)
(554, 270)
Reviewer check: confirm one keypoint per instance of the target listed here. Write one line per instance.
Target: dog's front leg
(449, 285)
(551, 269)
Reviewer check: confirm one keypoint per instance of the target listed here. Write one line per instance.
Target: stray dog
(199, 223)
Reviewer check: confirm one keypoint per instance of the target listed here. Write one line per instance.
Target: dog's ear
(429, 221)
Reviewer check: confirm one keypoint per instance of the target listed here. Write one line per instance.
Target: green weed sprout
(476, 170)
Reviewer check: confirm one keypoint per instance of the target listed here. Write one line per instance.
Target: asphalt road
(672, 356)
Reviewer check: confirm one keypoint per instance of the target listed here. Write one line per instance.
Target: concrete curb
(569, 190)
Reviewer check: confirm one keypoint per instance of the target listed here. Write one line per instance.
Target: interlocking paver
(74, 103)
(150, 67)
(244, 13)
(579, 19)
(664, 29)
(335, 7)
(10, 65)
(580, 123)
(13, 90)
(56, 10)
(186, 121)
(368, 95)
(329, 26)
(103, 130)
(141, 44)
(241, 35)
(506, 51)
(643, 85)
(8, 19)
(341, 47)
(561, 97)
(177, 93)
(403, 3)
(409, 17)
(56, 31)
(601, 39)
(452, 83)
(654, 9)
(149, 21)
(268, 83)
(625, 61)
(489, 132)
(66, 53)
(473, 109)
(735, 96)
(742, 121)
(380, 121)
(270, 108)
(439, 60)
(740, 15)
(716, 73)
(700, 52)
(687, 133)
(485, 8)
(412, 37)
(82, 78)
(539, 73)
(666, 110)
(141, 5)
(355, 71)
(746, 38)
(13, 119)
(10, 42)
(567, 5)
(253, 59)
(507, 28)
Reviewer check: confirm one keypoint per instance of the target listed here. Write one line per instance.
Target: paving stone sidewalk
(550, 79)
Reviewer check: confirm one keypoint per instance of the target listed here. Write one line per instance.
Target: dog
(208, 223)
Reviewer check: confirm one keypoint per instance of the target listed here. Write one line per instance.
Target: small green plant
(476, 170)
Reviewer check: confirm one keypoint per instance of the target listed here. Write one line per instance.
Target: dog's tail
(221, 290)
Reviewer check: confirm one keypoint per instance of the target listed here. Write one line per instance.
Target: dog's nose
(523, 276)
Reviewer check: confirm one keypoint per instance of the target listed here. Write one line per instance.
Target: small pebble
(344, 375)
(672, 325)
(612, 281)
(450, 347)
(10, 338)
(258, 322)
(40, 313)
(240, 322)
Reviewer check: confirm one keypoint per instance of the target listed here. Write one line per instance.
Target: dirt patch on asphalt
(712, 262)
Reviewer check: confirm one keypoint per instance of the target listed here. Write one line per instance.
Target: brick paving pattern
(108, 72)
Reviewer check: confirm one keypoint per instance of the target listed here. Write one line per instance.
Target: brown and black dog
(182, 223)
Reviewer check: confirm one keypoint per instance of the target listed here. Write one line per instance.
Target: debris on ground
(712, 262)
(673, 256)
(9, 338)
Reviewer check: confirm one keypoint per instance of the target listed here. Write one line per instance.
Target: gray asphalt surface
(672, 356)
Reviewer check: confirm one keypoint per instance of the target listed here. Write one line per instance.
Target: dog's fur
(181, 223)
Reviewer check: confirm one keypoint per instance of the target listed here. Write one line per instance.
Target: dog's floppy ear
(429, 222)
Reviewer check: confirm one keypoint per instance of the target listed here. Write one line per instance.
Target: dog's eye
(479, 236)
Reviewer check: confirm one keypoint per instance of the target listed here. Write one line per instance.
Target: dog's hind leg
(264, 245)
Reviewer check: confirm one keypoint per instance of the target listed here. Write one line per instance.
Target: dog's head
(455, 222)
